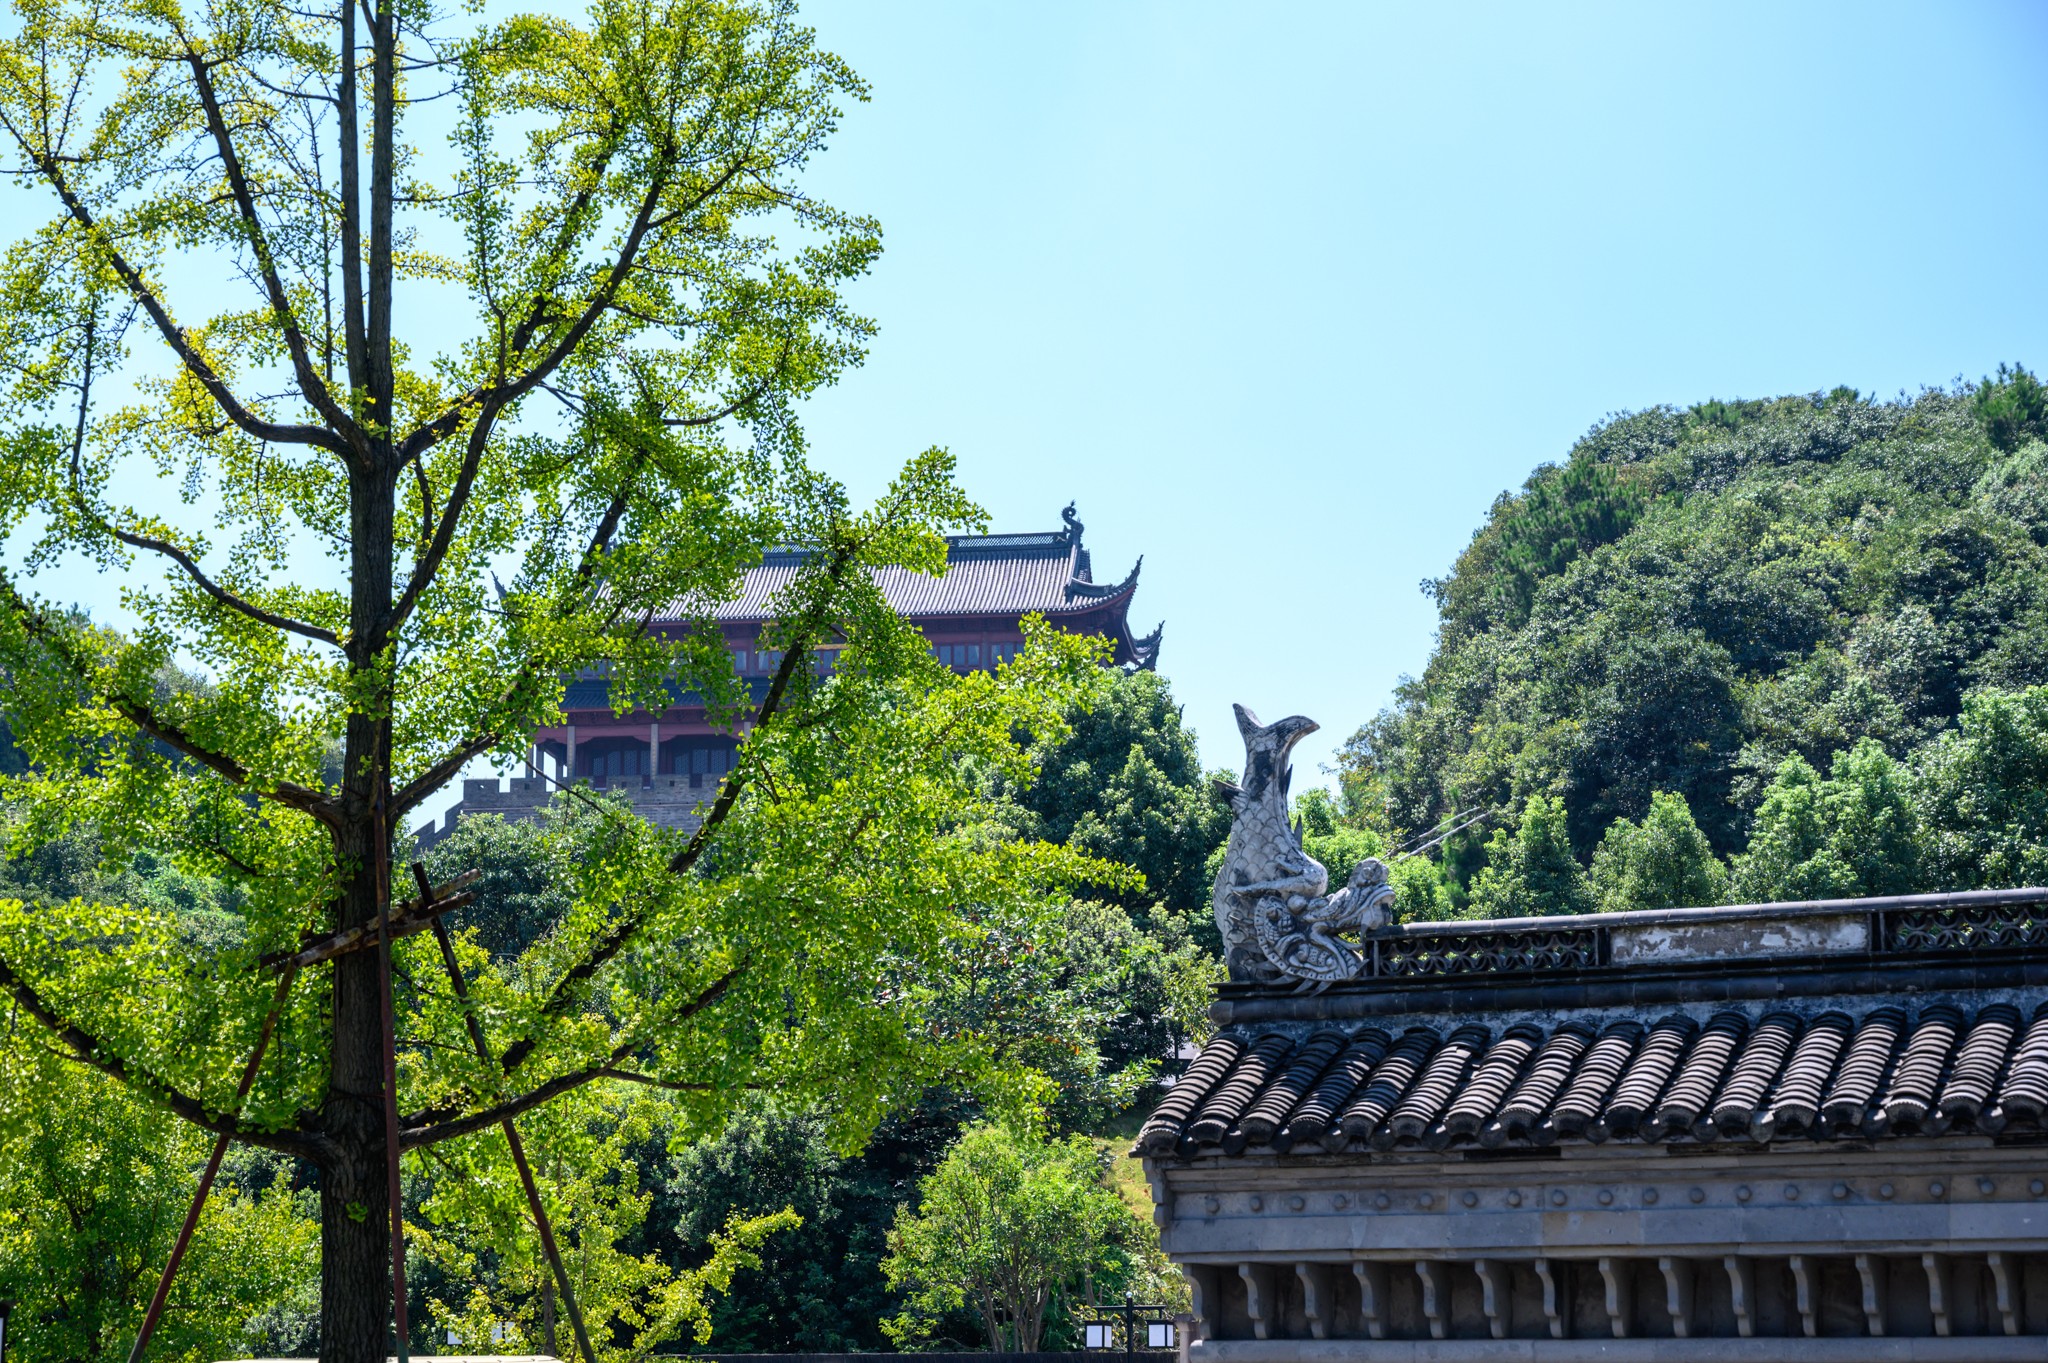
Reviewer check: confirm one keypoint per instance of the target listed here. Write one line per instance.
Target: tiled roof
(985, 575)
(1780, 1076)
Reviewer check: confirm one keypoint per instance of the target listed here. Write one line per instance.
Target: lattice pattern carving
(1572, 949)
(1967, 927)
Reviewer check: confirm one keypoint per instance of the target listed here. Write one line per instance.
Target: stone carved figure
(1271, 907)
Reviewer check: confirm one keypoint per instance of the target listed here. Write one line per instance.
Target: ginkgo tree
(404, 363)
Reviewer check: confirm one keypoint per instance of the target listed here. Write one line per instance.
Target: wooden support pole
(393, 1190)
(406, 919)
(540, 1213)
(220, 1150)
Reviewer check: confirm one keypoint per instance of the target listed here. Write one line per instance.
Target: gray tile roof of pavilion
(1887, 1071)
(1899, 1057)
(985, 575)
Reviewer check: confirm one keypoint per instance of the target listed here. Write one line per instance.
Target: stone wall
(665, 801)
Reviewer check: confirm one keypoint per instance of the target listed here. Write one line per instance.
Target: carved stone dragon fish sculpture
(1271, 907)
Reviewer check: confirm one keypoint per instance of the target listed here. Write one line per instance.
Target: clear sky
(1284, 296)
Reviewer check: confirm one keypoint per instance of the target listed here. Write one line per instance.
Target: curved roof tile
(1781, 1078)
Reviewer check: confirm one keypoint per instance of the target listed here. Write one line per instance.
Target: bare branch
(215, 590)
(143, 716)
(434, 1132)
(259, 243)
(173, 335)
(429, 563)
(722, 413)
(672, 1085)
(289, 793)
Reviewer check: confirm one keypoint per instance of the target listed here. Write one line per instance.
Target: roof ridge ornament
(1277, 921)
(1072, 522)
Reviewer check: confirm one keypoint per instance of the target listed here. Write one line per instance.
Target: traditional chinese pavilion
(971, 615)
(1774, 1131)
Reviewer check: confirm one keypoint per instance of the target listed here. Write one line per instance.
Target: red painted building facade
(971, 614)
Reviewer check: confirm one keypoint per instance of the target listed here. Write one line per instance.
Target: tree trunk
(355, 1208)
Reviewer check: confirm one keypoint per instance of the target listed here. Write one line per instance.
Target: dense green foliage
(213, 383)
(1127, 785)
(821, 1289)
(1700, 611)
(1663, 862)
(1081, 994)
(94, 1182)
(1010, 1228)
(1530, 869)
(1856, 832)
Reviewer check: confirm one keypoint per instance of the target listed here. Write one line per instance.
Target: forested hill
(1692, 597)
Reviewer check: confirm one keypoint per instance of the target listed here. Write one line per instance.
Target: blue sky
(1285, 296)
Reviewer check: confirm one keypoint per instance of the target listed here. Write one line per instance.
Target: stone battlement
(665, 801)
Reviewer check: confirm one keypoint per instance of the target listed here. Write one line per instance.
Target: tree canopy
(1008, 1227)
(390, 432)
(1715, 605)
